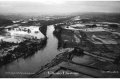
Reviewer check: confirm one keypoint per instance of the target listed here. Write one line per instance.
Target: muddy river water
(24, 67)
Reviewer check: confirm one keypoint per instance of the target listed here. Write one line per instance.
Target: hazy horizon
(60, 7)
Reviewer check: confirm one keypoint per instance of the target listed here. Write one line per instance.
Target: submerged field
(71, 47)
(20, 41)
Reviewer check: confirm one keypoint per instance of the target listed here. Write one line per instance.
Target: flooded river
(24, 67)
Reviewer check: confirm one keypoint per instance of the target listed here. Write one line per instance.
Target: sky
(41, 7)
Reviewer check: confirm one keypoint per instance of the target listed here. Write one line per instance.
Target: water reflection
(32, 61)
(20, 41)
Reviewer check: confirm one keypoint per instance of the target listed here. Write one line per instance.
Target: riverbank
(96, 60)
(77, 64)
(36, 54)
(67, 49)
(20, 42)
(23, 49)
(27, 41)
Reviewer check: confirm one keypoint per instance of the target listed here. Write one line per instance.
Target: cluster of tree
(57, 33)
(113, 25)
(91, 26)
(45, 23)
(4, 44)
(31, 23)
(25, 49)
(4, 22)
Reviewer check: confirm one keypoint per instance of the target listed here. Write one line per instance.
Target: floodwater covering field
(24, 67)
(37, 54)
(20, 33)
